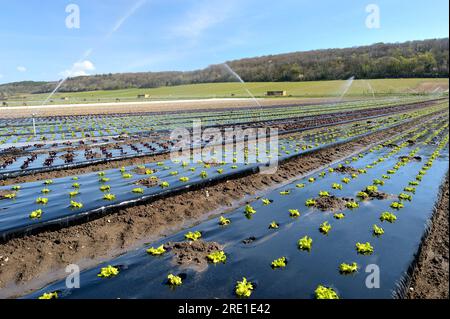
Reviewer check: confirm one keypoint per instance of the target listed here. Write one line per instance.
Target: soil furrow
(429, 279)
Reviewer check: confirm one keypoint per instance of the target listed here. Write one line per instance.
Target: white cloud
(21, 68)
(79, 69)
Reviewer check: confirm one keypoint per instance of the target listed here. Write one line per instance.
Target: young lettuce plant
(279, 263)
(42, 200)
(362, 195)
(108, 272)
(305, 243)
(403, 196)
(164, 184)
(339, 215)
(217, 257)
(36, 214)
(266, 201)
(224, 221)
(138, 190)
(377, 231)
(244, 288)
(364, 249)
(193, 235)
(49, 295)
(348, 268)
(351, 204)
(105, 188)
(310, 202)
(109, 196)
(300, 185)
(388, 217)
(324, 194)
(249, 210)
(156, 251)
(337, 186)
(325, 227)
(174, 280)
(323, 292)
(397, 205)
(274, 225)
(410, 189)
(74, 204)
(378, 182)
(10, 195)
(287, 192)
(294, 213)
(73, 193)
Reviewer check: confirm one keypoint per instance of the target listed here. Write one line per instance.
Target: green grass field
(258, 89)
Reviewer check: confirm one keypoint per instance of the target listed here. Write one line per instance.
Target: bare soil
(193, 253)
(411, 158)
(30, 259)
(330, 203)
(430, 278)
(346, 170)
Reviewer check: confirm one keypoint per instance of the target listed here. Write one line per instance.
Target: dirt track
(430, 278)
(25, 259)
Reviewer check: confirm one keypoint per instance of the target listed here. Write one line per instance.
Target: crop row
(318, 237)
(21, 163)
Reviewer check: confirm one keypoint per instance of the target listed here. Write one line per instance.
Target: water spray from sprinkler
(229, 69)
(346, 87)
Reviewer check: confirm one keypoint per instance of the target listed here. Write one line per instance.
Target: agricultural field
(349, 185)
(309, 89)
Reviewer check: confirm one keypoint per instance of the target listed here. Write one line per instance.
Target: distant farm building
(276, 93)
(143, 96)
(65, 98)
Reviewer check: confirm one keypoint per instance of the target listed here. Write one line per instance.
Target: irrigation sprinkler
(34, 123)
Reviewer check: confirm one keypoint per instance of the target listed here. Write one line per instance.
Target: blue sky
(154, 35)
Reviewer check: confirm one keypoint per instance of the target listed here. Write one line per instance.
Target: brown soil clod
(378, 195)
(249, 240)
(391, 145)
(141, 170)
(346, 170)
(192, 253)
(330, 203)
(148, 182)
(411, 158)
